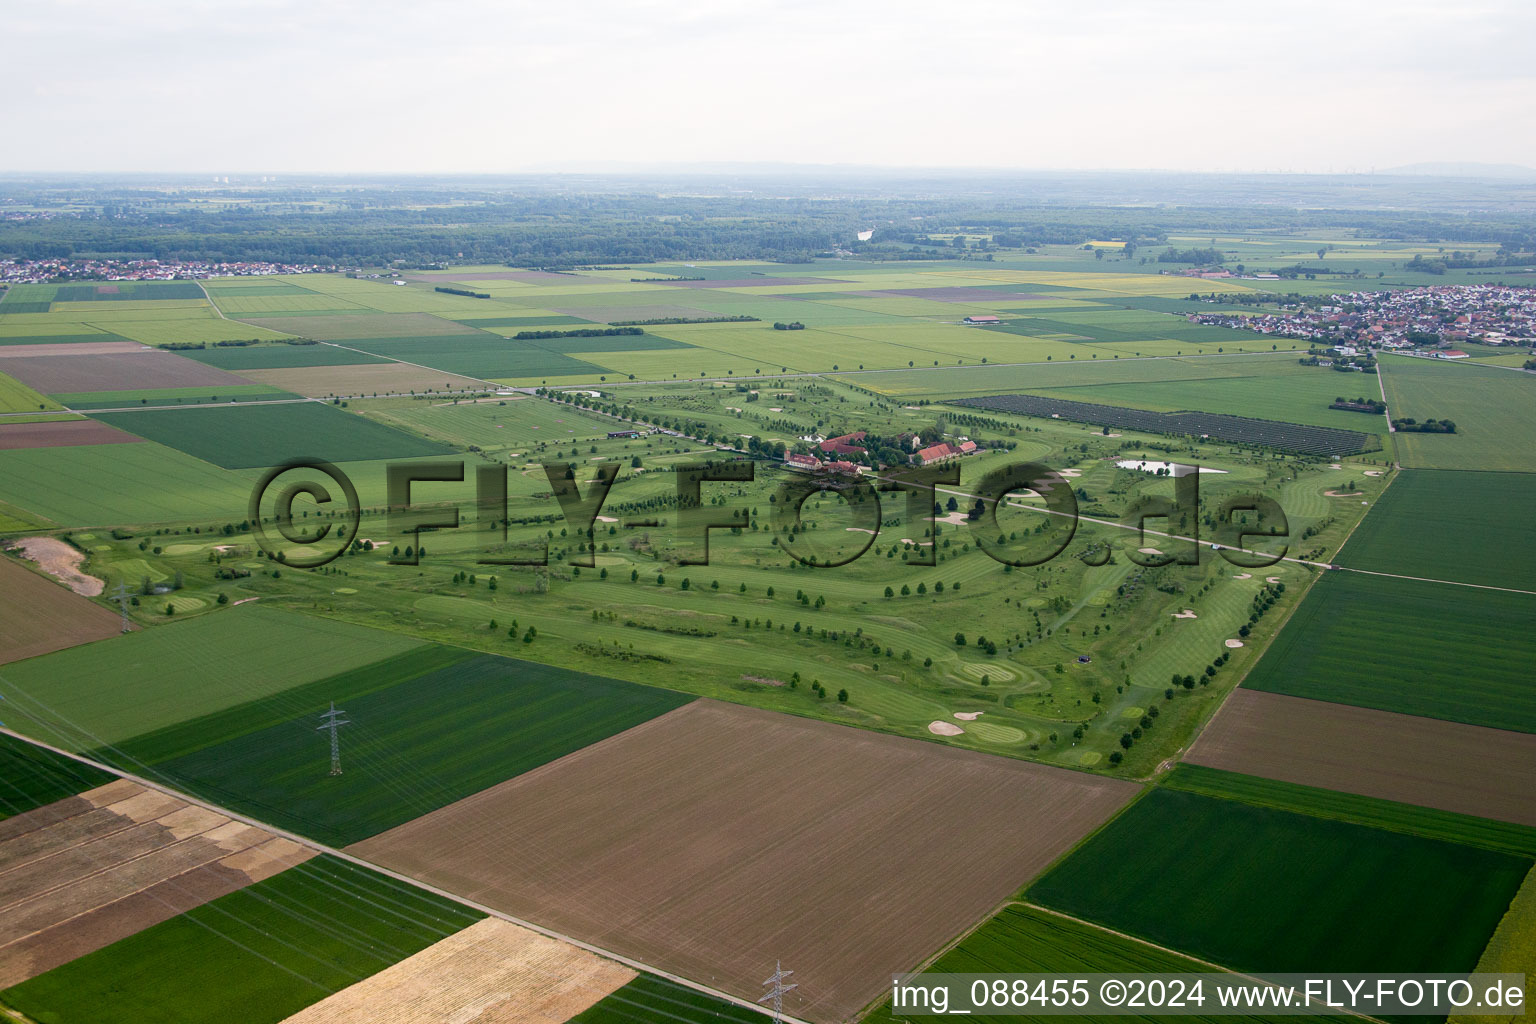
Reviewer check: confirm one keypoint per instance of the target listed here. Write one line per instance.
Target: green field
(1494, 411)
(652, 1000)
(108, 484)
(1259, 889)
(31, 777)
(428, 727)
(1028, 940)
(255, 956)
(1429, 649)
(252, 436)
(1361, 810)
(481, 354)
(270, 357)
(17, 397)
(180, 672)
(1467, 527)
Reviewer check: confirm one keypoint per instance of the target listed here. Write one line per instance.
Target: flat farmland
(491, 971)
(181, 671)
(1465, 526)
(652, 1000)
(429, 727)
(59, 434)
(207, 330)
(275, 357)
(39, 616)
(117, 371)
(1494, 411)
(346, 327)
(363, 379)
(1432, 649)
(257, 955)
(77, 875)
(247, 392)
(17, 397)
(32, 777)
(480, 354)
(59, 345)
(252, 436)
(1468, 769)
(116, 484)
(493, 423)
(1271, 890)
(661, 841)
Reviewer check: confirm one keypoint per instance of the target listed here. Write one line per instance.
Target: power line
(776, 993)
(120, 595)
(331, 723)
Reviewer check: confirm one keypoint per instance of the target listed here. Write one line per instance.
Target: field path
(360, 862)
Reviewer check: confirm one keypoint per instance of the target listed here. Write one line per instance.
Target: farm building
(623, 433)
(983, 318)
(844, 445)
(804, 463)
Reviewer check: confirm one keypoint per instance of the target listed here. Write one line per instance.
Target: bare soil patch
(362, 379)
(665, 841)
(1465, 768)
(39, 617)
(61, 434)
(61, 561)
(492, 972)
(117, 371)
(82, 873)
(75, 348)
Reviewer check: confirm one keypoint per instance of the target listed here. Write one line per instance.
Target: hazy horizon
(983, 85)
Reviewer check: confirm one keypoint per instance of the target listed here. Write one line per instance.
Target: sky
(480, 86)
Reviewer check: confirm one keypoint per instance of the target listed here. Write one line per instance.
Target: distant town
(21, 271)
(1430, 320)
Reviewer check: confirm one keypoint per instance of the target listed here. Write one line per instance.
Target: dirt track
(1467, 768)
(717, 838)
(82, 873)
(492, 972)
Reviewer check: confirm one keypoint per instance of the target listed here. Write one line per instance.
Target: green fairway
(31, 777)
(179, 672)
(1429, 649)
(1259, 889)
(428, 727)
(1027, 940)
(270, 357)
(1494, 411)
(1362, 810)
(255, 956)
(253, 436)
(1468, 527)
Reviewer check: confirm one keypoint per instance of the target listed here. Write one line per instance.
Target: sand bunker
(1271, 579)
(1343, 494)
(1243, 576)
(1334, 465)
(775, 408)
(1234, 643)
(1187, 613)
(859, 529)
(944, 729)
(606, 519)
(1149, 551)
(1070, 472)
(1373, 472)
(62, 562)
(969, 716)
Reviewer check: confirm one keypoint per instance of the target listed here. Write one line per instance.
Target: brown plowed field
(362, 379)
(717, 838)
(492, 972)
(75, 348)
(38, 616)
(84, 872)
(1466, 768)
(61, 434)
(117, 371)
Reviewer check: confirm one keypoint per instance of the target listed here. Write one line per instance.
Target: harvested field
(638, 311)
(82, 873)
(38, 617)
(1470, 769)
(660, 843)
(362, 379)
(492, 972)
(763, 281)
(78, 348)
(352, 326)
(60, 434)
(116, 371)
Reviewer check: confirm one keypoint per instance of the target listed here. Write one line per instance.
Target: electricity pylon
(331, 723)
(778, 990)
